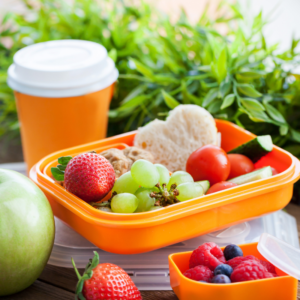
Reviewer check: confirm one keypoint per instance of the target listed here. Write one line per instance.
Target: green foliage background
(236, 76)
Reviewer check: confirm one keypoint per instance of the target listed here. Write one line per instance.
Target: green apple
(26, 232)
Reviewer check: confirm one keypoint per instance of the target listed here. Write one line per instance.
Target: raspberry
(199, 273)
(209, 255)
(249, 270)
(234, 262)
(270, 268)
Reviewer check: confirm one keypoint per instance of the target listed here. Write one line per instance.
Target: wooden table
(59, 283)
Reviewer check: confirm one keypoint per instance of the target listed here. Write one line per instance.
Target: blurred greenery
(163, 63)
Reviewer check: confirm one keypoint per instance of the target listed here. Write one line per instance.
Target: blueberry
(221, 279)
(223, 269)
(202, 281)
(232, 251)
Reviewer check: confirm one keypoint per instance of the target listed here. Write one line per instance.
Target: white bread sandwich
(187, 128)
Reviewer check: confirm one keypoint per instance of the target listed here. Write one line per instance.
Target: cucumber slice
(256, 148)
(253, 176)
(205, 185)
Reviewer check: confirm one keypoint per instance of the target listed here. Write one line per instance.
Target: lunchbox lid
(281, 254)
(61, 68)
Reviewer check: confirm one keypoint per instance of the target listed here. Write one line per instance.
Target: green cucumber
(256, 148)
(205, 185)
(253, 176)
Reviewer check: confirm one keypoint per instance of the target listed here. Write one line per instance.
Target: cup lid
(282, 255)
(61, 68)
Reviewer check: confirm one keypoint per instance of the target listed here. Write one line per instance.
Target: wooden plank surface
(59, 283)
(42, 291)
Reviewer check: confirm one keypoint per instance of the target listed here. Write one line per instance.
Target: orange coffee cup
(63, 91)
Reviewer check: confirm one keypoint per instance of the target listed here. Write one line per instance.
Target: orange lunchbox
(284, 287)
(142, 232)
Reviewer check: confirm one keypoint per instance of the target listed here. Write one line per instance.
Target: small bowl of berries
(267, 270)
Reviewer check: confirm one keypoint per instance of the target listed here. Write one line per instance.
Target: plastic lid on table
(61, 68)
(282, 255)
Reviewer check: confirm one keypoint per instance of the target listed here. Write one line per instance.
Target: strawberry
(104, 281)
(89, 176)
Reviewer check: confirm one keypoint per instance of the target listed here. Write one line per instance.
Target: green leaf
(215, 106)
(95, 260)
(252, 104)
(248, 90)
(133, 102)
(274, 113)
(64, 160)
(143, 69)
(222, 65)
(229, 99)
(251, 74)
(61, 167)
(135, 92)
(283, 129)
(169, 100)
(259, 116)
(184, 92)
(57, 174)
(295, 135)
(210, 96)
(113, 54)
(225, 87)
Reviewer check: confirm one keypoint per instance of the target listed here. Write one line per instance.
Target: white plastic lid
(282, 255)
(61, 68)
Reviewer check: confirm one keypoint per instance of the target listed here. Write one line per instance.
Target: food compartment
(146, 231)
(278, 288)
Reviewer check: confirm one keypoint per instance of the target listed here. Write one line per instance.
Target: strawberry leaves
(58, 172)
(88, 273)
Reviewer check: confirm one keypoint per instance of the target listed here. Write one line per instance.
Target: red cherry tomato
(220, 186)
(239, 165)
(208, 163)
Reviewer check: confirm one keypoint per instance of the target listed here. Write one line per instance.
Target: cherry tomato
(239, 165)
(220, 186)
(208, 163)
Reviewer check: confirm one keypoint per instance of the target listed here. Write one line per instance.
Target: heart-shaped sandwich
(187, 128)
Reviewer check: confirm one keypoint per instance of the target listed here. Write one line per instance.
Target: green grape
(155, 208)
(144, 173)
(145, 201)
(124, 203)
(189, 190)
(179, 177)
(164, 175)
(125, 184)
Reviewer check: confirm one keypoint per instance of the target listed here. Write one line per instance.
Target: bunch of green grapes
(134, 190)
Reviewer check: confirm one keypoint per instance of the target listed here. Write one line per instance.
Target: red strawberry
(105, 281)
(249, 270)
(89, 176)
(199, 273)
(208, 254)
(234, 262)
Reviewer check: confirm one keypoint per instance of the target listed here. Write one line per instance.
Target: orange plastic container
(142, 232)
(283, 287)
